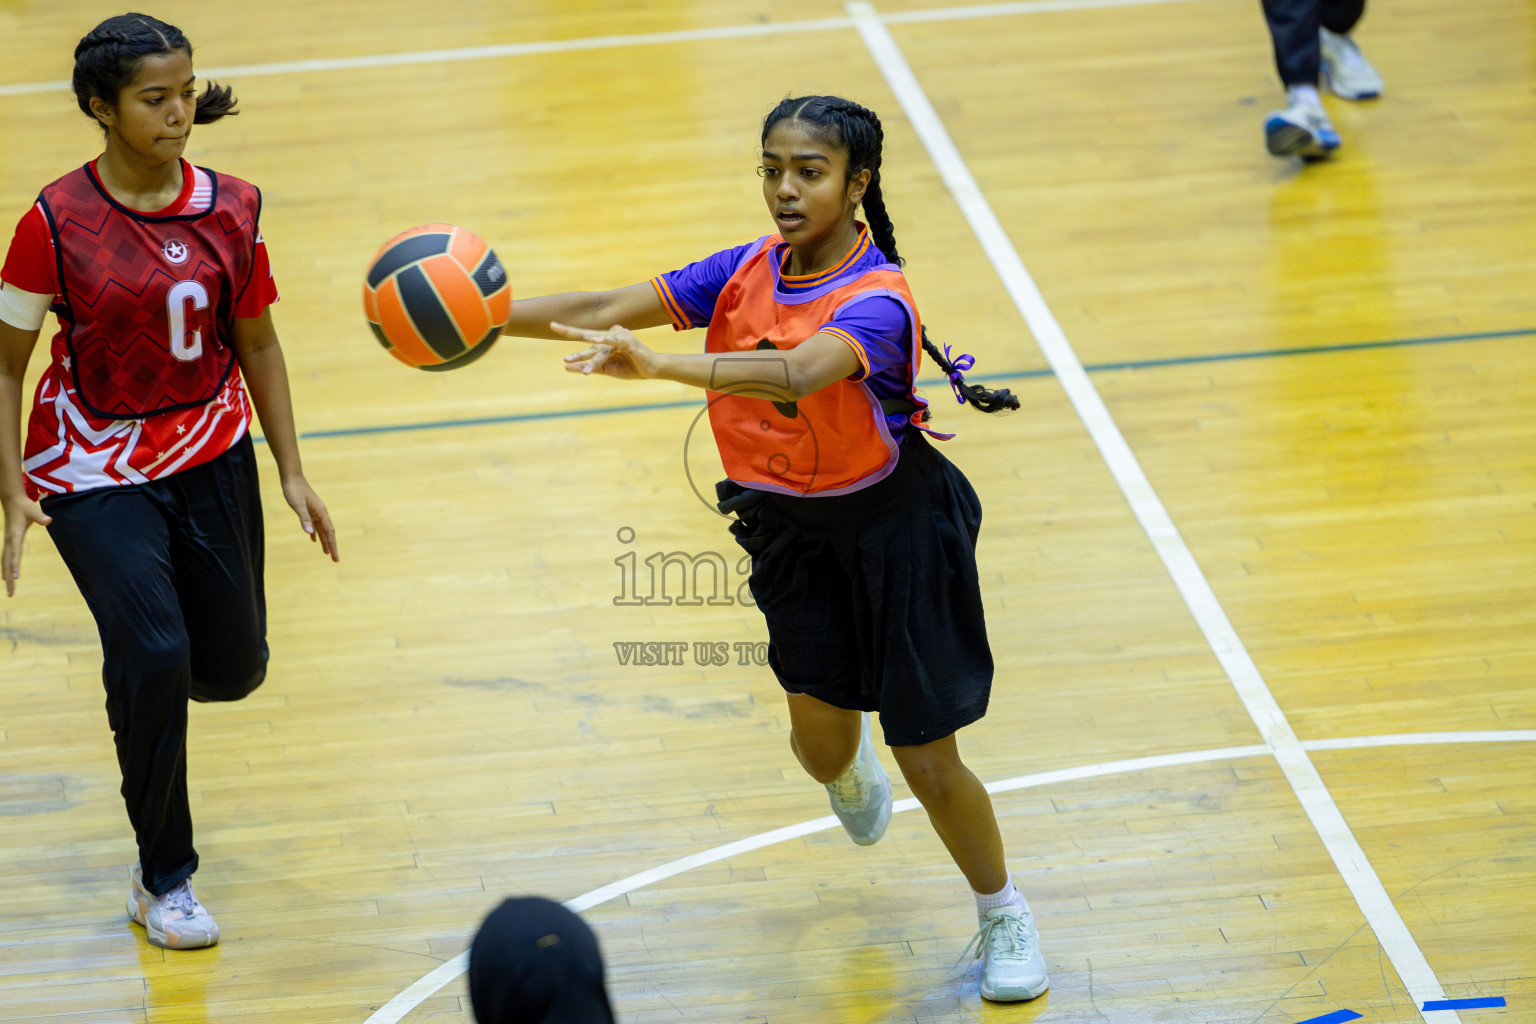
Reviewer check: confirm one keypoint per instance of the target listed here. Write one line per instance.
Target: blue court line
(558, 414)
(1266, 353)
(1336, 1017)
(1142, 364)
(1463, 1004)
(1311, 350)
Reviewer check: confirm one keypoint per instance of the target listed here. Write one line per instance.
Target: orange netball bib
(831, 442)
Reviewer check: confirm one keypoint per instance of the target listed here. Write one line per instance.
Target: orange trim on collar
(810, 280)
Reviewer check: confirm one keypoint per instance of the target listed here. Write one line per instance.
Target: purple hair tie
(961, 363)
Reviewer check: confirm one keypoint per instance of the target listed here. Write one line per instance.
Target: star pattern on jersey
(82, 463)
(68, 451)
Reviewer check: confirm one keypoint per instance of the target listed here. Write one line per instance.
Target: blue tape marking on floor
(483, 421)
(1310, 350)
(1336, 1017)
(1463, 1004)
(557, 414)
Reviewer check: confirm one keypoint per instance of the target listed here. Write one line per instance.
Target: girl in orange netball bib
(862, 536)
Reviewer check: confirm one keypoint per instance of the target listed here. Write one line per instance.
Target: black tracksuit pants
(172, 572)
(1293, 26)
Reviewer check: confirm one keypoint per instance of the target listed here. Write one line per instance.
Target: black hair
(107, 61)
(534, 961)
(856, 131)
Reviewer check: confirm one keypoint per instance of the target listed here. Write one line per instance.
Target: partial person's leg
(218, 551)
(824, 738)
(1293, 26)
(836, 747)
(1302, 128)
(1348, 74)
(116, 543)
(960, 809)
(802, 588)
(1341, 16)
(1013, 969)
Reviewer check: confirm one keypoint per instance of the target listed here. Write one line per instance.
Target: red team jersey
(142, 382)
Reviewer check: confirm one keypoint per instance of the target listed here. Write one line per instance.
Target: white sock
(1007, 896)
(1306, 94)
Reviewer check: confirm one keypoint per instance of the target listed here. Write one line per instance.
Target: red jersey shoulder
(29, 263)
(236, 194)
(238, 208)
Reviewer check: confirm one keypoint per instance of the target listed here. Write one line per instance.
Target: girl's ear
(103, 111)
(857, 184)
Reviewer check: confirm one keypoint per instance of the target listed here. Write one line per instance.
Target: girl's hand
(20, 513)
(312, 514)
(615, 352)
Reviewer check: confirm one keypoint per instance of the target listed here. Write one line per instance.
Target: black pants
(172, 572)
(1293, 26)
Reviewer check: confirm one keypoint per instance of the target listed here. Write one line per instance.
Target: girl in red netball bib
(862, 536)
(138, 456)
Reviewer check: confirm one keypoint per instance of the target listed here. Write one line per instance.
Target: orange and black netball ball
(436, 297)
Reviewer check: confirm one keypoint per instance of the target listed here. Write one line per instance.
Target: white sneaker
(173, 921)
(1301, 129)
(861, 796)
(1012, 969)
(1348, 74)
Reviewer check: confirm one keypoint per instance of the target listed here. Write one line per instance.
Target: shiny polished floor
(1323, 377)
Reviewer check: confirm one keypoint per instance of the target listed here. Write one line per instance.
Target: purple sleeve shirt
(690, 293)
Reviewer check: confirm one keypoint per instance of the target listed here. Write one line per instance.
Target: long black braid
(856, 130)
(108, 59)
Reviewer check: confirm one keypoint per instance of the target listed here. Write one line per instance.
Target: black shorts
(872, 598)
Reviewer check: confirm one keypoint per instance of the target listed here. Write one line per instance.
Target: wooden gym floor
(1326, 375)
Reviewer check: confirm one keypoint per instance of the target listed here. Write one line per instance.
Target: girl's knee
(229, 682)
(929, 773)
(824, 762)
(150, 664)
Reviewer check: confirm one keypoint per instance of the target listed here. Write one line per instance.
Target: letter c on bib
(176, 308)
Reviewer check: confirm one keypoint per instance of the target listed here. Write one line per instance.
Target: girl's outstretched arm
(786, 376)
(637, 305)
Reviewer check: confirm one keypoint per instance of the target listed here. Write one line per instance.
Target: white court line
(1348, 857)
(386, 60)
(998, 10)
(421, 990)
(1415, 738)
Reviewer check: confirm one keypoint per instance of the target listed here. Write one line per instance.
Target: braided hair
(107, 60)
(856, 131)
